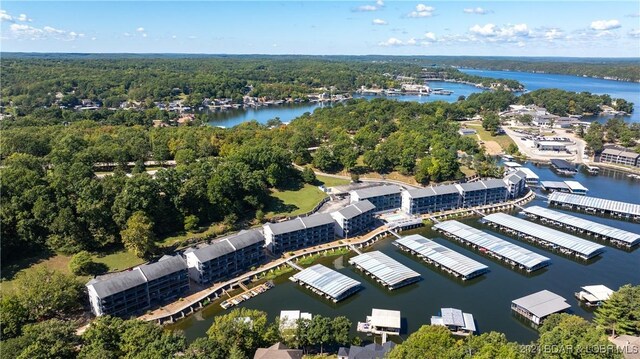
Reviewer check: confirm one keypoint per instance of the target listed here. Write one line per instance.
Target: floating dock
(442, 257)
(386, 270)
(596, 205)
(327, 282)
(574, 187)
(594, 295)
(540, 305)
(551, 238)
(494, 246)
(563, 167)
(615, 236)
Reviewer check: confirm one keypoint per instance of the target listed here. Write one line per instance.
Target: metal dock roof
(597, 203)
(494, 244)
(327, 281)
(442, 255)
(573, 243)
(385, 268)
(542, 303)
(594, 227)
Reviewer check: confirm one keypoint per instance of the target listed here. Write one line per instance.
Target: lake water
(627, 90)
(487, 297)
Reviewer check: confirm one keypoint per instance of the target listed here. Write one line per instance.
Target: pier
(495, 247)
(385, 270)
(544, 236)
(624, 210)
(441, 257)
(327, 282)
(615, 236)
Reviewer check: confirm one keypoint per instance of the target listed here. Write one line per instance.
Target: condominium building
(385, 197)
(516, 183)
(353, 219)
(431, 199)
(226, 257)
(298, 233)
(621, 156)
(480, 193)
(131, 292)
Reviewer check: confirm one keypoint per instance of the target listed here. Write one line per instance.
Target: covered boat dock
(386, 270)
(537, 306)
(594, 295)
(327, 282)
(442, 257)
(456, 321)
(496, 247)
(550, 238)
(596, 205)
(616, 236)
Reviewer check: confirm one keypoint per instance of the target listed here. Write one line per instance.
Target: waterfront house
(430, 199)
(622, 156)
(353, 219)
(369, 351)
(456, 321)
(385, 197)
(226, 257)
(537, 306)
(278, 351)
(301, 232)
(131, 292)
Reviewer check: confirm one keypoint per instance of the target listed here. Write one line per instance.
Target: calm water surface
(626, 90)
(487, 298)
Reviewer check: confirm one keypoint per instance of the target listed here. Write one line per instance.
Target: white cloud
(634, 33)
(507, 32)
(520, 44)
(27, 32)
(634, 15)
(553, 34)
(422, 10)
(140, 29)
(195, 37)
(380, 3)
(126, 34)
(392, 41)
(477, 11)
(94, 38)
(411, 41)
(174, 37)
(144, 35)
(23, 18)
(601, 25)
(379, 22)
(430, 36)
(5, 17)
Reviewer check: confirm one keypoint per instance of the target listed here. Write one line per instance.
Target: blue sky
(504, 28)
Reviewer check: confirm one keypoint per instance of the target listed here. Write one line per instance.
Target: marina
(537, 306)
(573, 187)
(387, 271)
(563, 167)
(246, 295)
(442, 257)
(617, 209)
(615, 236)
(493, 246)
(327, 282)
(547, 237)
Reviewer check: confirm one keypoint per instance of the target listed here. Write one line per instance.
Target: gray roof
(278, 351)
(601, 229)
(561, 239)
(325, 280)
(370, 351)
(522, 256)
(300, 223)
(377, 191)
(516, 177)
(228, 244)
(471, 186)
(554, 184)
(619, 152)
(446, 189)
(542, 303)
(595, 202)
(493, 183)
(562, 164)
(433, 191)
(116, 283)
(452, 316)
(165, 266)
(356, 209)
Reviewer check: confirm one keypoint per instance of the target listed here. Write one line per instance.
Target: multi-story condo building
(131, 292)
(354, 218)
(385, 197)
(621, 156)
(226, 257)
(516, 183)
(298, 233)
(430, 199)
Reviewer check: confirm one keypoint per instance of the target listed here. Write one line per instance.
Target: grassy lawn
(330, 181)
(119, 260)
(502, 140)
(294, 202)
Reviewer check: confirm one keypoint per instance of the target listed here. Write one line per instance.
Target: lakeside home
(226, 257)
(131, 292)
(299, 232)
